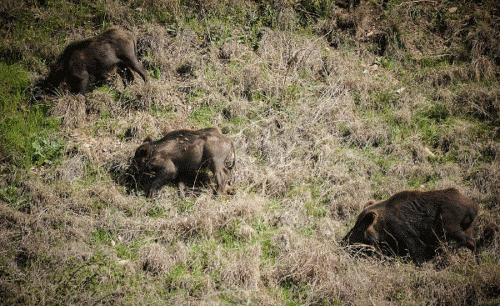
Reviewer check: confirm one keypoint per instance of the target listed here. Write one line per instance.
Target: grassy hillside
(329, 103)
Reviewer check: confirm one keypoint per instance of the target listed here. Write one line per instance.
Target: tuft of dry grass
(242, 270)
(325, 113)
(157, 259)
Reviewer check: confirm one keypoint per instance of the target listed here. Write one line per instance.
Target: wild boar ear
(369, 203)
(369, 219)
(143, 150)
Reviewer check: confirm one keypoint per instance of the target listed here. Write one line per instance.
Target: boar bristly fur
(89, 61)
(181, 154)
(416, 222)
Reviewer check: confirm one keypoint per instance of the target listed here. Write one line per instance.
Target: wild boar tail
(134, 39)
(231, 158)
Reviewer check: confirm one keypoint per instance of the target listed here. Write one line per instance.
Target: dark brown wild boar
(415, 222)
(181, 154)
(89, 61)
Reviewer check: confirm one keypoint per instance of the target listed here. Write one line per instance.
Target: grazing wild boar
(181, 154)
(415, 222)
(91, 60)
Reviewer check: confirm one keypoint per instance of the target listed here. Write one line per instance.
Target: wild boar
(181, 154)
(415, 222)
(91, 60)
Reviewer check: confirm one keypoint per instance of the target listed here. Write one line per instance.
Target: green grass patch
(102, 236)
(205, 114)
(129, 250)
(385, 99)
(416, 181)
(184, 205)
(155, 211)
(27, 134)
(269, 249)
(435, 111)
(99, 275)
(9, 194)
(227, 235)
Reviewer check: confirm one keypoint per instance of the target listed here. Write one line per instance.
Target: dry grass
(319, 131)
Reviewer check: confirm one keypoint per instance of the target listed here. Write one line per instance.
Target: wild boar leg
(126, 74)
(221, 178)
(182, 189)
(163, 175)
(417, 251)
(133, 64)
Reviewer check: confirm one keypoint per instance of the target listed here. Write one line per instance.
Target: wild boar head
(365, 230)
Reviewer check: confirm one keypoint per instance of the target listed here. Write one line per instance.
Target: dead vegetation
(328, 105)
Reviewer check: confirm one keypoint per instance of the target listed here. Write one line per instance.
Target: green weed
(185, 205)
(129, 250)
(312, 176)
(311, 11)
(46, 150)
(27, 133)
(204, 115)
(102, 236)
(227, 236)
(9, 194)
(98, 275)
(155, 211)
(269, 248)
